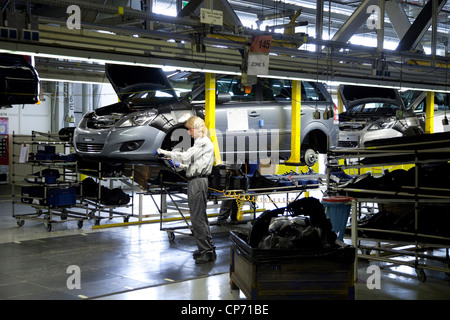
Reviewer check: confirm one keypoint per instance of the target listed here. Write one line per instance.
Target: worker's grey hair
(196, 123)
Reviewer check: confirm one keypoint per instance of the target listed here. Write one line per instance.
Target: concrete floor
(139, 262)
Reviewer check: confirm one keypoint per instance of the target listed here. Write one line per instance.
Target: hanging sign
(210, 16)
(258, 56)
(261, 44)
(258, 64)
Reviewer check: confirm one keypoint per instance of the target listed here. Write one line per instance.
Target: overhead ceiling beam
(222, 56)
(401, 23)
(354, 22)
(124, 11)
(419, 27)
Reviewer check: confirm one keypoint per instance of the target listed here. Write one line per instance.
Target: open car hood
(126, 79)
(353, 95)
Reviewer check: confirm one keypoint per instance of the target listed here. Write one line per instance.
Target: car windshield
(441, 100)
(263, 90)
(375, 107)
(185, 82)
(155, 96)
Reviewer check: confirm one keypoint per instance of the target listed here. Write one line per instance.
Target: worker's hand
(161, 151)
(175, 164)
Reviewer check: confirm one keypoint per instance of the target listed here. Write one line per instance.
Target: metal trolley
(173, 196)
(49, 195)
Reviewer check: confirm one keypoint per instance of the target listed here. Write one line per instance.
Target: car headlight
(379, 125)
(136, 119)
(412, 122)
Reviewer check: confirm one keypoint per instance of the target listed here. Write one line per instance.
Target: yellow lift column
(340, 103)
(429, 113)
(210, 113)
(295, 122)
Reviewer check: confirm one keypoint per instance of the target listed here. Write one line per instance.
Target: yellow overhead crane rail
(428, 63)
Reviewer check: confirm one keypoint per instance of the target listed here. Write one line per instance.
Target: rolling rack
(94, 201)
(174, 196)
(400, 247)
(46, 193)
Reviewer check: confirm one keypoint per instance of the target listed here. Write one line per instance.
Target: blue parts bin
(52, 197)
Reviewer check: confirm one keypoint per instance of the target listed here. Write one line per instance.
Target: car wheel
(310, 157)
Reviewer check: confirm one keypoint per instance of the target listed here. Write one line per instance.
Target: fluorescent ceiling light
(105, 61)
(72, 81)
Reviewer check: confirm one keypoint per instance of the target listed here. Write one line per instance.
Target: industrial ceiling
(340, 47)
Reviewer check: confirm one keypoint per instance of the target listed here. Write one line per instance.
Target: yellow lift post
(210, 113)
(295, 123)
(429, 113)
(340, 103)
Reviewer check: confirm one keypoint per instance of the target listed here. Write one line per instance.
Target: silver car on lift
(252, 123)
(373, 113)
(416, 101)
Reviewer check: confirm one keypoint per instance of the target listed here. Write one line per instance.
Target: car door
(441, 103)
(317, 118)
(238, 121)
(416, 100)
(441, 108)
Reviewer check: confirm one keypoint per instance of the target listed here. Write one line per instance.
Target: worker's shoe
(197, 254)
(204, 257)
